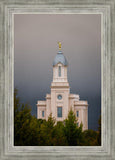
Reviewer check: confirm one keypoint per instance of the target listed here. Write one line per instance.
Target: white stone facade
(60, 101)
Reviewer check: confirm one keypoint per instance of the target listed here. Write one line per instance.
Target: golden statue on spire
(59, 45)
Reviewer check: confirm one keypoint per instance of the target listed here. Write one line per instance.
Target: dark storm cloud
(36, 38)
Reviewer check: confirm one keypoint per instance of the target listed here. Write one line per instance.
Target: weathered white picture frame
(7, 11)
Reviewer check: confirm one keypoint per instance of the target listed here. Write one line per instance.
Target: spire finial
(59, 45)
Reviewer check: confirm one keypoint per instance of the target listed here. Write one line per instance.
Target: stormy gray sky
(35, 47)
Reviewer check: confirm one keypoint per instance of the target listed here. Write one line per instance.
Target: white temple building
(60, 100)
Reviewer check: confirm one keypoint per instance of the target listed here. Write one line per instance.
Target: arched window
(59, 71)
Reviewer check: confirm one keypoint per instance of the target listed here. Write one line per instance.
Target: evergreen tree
(59, 138)
(47, 132)
(73, 133)
(90, 138)
(25, 125)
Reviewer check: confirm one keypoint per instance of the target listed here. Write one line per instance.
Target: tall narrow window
(59, 111)
(59, 71)
(42, 113)
(77, 113)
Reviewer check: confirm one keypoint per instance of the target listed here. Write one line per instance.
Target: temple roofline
(41, 103)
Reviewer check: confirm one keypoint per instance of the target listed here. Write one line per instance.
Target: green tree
(25, 125)
(73, 133)
(47, 132)
(59, 138)
(90, 138)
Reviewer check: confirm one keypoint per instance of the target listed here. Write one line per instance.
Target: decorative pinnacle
(59, 45)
